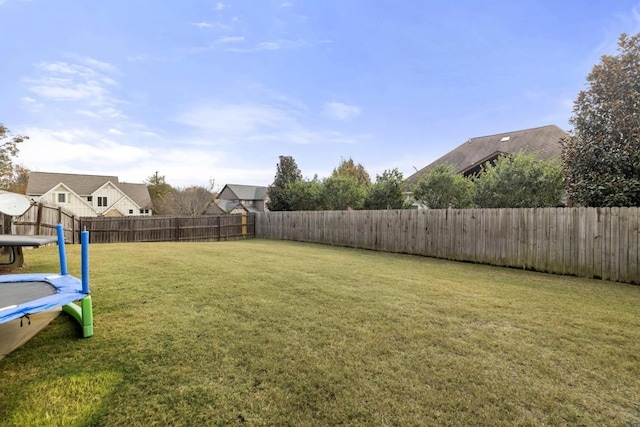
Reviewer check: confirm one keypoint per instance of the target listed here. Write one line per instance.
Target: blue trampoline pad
(26, 294)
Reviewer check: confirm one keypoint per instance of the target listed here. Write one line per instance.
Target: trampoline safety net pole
(61, 250)
(84, 240)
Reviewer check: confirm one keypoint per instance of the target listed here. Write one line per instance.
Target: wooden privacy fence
(586, 242)
(168, 228)
(41, 219)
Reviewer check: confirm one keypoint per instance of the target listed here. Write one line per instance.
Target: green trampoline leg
(83, 315)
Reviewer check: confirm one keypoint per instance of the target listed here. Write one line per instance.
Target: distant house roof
(84, 185)
(247, 192)
(543, 142)
(139, 193)
(226, 205)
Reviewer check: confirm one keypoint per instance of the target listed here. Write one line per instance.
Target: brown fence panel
(168, 228)
(41, 219)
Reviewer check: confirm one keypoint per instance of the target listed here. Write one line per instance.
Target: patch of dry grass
(280, 333)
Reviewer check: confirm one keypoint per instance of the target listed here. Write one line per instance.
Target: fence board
(590, 242)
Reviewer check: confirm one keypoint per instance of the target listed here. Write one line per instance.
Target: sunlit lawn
(279, 333)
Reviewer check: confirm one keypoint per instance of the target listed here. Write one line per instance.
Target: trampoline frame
(69, 289)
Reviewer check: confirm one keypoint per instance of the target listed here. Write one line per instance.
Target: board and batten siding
(586, 242)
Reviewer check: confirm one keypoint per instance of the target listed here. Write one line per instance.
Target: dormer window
(62, 197)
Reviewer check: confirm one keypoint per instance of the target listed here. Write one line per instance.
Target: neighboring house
(90, 195)
(235, 198)
(468, 158)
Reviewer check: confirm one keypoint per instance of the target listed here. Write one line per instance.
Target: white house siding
(112, 193)
(73, 202)
(127, 207)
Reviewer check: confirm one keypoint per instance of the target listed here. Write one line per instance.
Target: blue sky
(201, 90)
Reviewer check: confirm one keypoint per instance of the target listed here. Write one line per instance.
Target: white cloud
(81, 150)
(221, 6)
(31, 103)
(230, 39)
(235, 120)
(271, 46)
(268, 46)
(286, 4)
(202, 24)
(340, 111)
(115, 132)
(256, 123)
(61, 150)
(87, 82)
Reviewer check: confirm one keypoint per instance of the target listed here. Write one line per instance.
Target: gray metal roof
(85, 185)
(543, 142)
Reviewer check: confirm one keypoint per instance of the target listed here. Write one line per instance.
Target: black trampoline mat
(14, 293)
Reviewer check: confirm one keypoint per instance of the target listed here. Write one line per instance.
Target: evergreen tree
(602, 157)
(287, 173)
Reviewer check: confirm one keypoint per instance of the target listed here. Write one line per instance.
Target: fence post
(244, 224)
(39, 218)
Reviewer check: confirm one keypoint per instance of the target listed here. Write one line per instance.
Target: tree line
(512, 181)
(348, 187)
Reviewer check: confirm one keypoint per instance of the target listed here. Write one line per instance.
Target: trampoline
(22, 295)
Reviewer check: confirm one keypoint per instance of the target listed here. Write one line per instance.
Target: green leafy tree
(161, 194)
(519, 181)
(386, 192)
(342, 192)
(287, 172)
(305, 195)
(357, 171)
(443, 187)
(602, 157)
(8, 150)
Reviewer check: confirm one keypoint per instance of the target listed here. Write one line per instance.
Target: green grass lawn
(262, 332)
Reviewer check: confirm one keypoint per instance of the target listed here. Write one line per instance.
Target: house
(236, 198)
(90, 195)
(468, 158)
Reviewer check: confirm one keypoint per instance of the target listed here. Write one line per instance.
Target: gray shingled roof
(139, 193)
(248, 192)
(84, 185)
(543, 142)
(226, 205)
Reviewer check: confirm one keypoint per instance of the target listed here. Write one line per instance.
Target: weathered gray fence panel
(41, 219)
(588, 242)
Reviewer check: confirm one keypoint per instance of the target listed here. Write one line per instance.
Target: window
(102, 201)
(146, 211)
(62, 197)
(141, 211)
(89, 199)
(130, 211)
